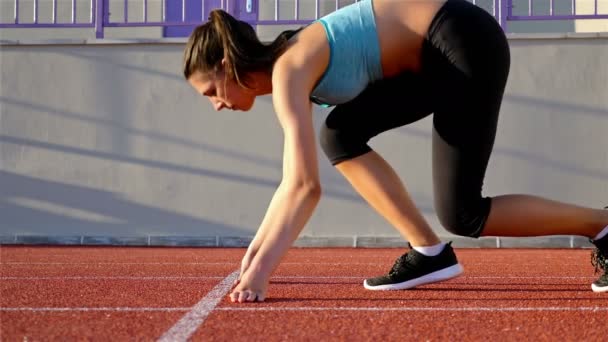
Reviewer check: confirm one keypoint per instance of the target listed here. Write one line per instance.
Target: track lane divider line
(190, 322)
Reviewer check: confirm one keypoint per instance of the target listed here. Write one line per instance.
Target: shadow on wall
(334, 184)
(556, 107)
(30, 205)
(526, 156)
(158, 50)
(239, 178)
(26, 202)
(121, 128)
(334, 179)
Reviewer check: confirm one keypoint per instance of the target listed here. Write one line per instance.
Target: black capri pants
(464, 70)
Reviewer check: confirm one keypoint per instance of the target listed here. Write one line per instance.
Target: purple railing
(568, 10)
(178, 17)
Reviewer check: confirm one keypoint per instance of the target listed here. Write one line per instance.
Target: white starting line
(187, 325)
(273, 278)
(237, 263)
(195, 316)
(199, 313)
(183, 329)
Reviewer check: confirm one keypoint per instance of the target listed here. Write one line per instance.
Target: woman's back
(402, 26)
(362, 43)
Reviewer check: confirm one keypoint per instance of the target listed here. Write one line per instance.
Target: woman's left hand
(251, 288)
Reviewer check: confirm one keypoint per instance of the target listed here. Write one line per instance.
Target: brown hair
(225, 37)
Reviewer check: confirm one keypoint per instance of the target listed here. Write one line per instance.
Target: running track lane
(316, 294)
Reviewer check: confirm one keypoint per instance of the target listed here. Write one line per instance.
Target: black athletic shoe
(414, 269)
(599, 259)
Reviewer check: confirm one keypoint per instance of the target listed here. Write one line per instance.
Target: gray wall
(109, 140)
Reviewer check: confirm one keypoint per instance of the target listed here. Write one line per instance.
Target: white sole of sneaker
(599, 289)
(441, 275)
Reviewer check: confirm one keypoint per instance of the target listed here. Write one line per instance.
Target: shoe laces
(599, 260)
(400, 265)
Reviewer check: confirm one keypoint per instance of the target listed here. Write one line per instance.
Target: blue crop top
(354, 60)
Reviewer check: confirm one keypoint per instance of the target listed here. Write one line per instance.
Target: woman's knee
(464, 218)
(339, 144)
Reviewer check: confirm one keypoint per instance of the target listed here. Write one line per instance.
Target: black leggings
(465, 65)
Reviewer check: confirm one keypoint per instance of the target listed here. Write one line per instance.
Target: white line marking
(462, 277)
(94, 309)
(111, 278)
(187, 325)
(310, 308)
(273, 278)
(496, 309)
(528, 277)
(119, 263)
(304, 262)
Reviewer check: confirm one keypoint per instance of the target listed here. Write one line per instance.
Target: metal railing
(100, 14)
(35, 20)
(557, 10)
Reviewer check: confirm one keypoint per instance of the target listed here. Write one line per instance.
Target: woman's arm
(267, 223)
(299, 191)
(255, 244)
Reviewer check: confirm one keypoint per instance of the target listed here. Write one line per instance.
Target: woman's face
(221, 91)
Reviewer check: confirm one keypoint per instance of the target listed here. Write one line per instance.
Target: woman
(382, 64)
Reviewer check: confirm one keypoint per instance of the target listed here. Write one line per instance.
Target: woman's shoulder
(307, 54)
(305, 44)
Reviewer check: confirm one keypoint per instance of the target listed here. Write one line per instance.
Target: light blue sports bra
(354, 60)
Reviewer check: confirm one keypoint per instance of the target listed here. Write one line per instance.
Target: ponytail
(235, 41)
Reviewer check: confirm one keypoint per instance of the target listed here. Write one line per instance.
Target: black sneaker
(599, 259)
(414, 269)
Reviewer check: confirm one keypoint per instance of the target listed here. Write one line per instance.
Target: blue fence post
(505, 6)
(196, 12)
(100, 15)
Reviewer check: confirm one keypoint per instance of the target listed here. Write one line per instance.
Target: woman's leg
(459, 170)
(470, 84)
(344, 138)
(463, 138)
(376, 181)
(524, 215)
(467, 60)
(460, 157)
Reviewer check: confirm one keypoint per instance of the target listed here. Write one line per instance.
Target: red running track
(107, 293)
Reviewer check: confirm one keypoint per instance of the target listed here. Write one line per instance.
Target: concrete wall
(108, 140)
